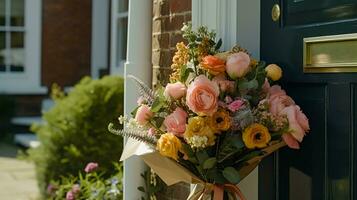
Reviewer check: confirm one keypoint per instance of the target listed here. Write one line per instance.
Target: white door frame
(236, 22)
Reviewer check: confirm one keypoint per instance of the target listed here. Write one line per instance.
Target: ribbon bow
(204, 192)
(218, 191)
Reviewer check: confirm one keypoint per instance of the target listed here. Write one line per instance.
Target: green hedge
(75, 130)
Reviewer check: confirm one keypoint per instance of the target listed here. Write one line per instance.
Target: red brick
(165, 7)
(174, 23)
(66, 40)
(188, 17)
(175, 38)
(177, 6)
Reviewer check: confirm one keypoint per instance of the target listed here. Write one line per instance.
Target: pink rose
(235, 105)
(290, 141)
(176, 121)
(202, 96)
(175, 90)
(224, 84)
(91, 167)
(143, 114)
(278, 100)
(276, 90)
(237, 65)
(298, 122)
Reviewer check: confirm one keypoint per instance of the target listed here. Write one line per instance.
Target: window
(20, 46)
(118, 36)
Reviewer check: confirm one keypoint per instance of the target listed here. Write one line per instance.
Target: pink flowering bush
(86, 185)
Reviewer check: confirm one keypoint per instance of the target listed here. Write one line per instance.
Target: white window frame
(29, 81)
(114, 51)
(100, 36)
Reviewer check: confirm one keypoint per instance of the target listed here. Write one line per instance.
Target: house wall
(168, 17)
(66, 49)
(66, 41)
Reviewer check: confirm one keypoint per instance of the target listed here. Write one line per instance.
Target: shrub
(89, 186)
(74, 131)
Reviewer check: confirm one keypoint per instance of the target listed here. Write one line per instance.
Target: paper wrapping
(172, 172)
(167, 169)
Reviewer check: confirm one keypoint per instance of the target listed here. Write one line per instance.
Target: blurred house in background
(44, 42)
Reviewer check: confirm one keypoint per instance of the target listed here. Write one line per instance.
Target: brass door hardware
(275, 12)
(330, 54)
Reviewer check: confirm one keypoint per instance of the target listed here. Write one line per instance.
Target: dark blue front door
(325, 166)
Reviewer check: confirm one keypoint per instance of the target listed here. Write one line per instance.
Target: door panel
(324, 167)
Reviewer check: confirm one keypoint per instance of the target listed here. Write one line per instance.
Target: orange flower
(256, 136)
(213, 64)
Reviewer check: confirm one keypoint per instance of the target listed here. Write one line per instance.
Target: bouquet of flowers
(219, 116)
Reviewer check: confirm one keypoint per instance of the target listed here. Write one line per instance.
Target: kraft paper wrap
(172, 172)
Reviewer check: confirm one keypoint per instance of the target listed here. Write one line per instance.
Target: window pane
(17, 51)
(17, 12)
(122, 37)
(122, 5)
(2, 51)
(2, 12)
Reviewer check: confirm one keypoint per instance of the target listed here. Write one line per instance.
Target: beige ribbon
(204, 192)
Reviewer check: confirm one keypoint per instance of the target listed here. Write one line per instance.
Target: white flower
(122, 119)
(133, 124)
(198, 141)
(185, 27)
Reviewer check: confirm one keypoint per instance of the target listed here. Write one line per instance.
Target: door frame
(236, 22)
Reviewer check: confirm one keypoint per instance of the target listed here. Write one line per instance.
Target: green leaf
(141, 189)
(209, 163)
(189, 152)
(158, 121)
(214, 175)
(248, 85)
(249, 156)
(202, 156)
(133, 113)
(231, 175)
(219, 44)
(157, 105)
(185, 72)
(231, 145)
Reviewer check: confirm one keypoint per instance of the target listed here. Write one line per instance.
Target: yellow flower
(180, 58)
(256, 135)
(197, 130)
(274, 72)
(169, 145)
(220, 121)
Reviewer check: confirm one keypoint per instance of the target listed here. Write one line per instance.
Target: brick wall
(168, 17)
(66, 41)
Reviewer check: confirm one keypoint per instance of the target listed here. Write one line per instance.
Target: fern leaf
(145, 91)
(140, 136)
